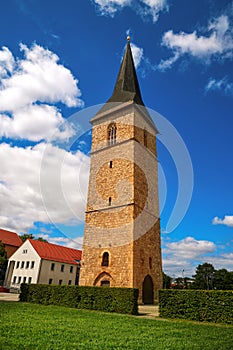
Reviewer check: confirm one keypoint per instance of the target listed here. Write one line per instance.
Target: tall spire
(127, 87)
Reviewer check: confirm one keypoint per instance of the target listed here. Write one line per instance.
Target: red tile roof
(10, 238)
(54, 252)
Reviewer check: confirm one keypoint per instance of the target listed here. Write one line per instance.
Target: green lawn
(31, 326)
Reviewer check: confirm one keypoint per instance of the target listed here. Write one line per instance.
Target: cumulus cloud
(185, 254)
(7, 62)
(41, 184)
(221, 85)
(228, 220)
(217, 44)
(144, 8)
(28, 87)
(190, 248)
(35, 123)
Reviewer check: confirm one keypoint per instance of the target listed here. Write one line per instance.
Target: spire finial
(128, 38)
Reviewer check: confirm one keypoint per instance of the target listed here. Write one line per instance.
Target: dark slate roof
(127, 87)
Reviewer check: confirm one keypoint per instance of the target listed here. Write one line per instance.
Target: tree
(166, 281)
(204, 277)
(3, 261)
(223, 279)
(26, 236)
(42, 239)
(30, 236)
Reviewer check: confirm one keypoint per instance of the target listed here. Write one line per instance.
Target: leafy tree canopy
(30, 236)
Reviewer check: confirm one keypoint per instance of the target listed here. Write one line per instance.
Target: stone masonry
(122, 213)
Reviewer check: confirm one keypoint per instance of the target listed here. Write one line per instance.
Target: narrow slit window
(110, 201)
(145, 137)
(110, 164)
(105, 259)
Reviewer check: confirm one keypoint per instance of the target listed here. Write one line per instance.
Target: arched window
(112, 134)
(105, 259)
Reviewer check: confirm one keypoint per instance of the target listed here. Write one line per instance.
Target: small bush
(198, 305)
(120, 300)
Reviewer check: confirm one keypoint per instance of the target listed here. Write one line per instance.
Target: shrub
(120, 300)
(198, 305)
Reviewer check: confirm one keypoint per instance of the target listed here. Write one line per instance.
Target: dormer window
(112, 134)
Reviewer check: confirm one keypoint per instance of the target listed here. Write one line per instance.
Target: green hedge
(120, 300)
(199, 305)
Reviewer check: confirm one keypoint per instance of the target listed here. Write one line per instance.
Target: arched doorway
(148, 290)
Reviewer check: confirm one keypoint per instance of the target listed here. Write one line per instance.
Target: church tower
(122, 230)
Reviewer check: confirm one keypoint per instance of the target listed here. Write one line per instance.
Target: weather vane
(128, 38)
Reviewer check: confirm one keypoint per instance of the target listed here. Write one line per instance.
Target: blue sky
(58, 60)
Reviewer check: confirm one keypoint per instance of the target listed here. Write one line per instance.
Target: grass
(31, 326)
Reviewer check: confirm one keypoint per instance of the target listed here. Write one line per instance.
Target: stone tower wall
(127, 227)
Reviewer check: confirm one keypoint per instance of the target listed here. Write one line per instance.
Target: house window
(14, 279)
(50, 281)
(70, 282)
(110, 201)
(29, 280)
(71, 269)
(112, 134)
(110, 164)
(62, 268)
(60, 282)
(24, 279)
(27, 264)
(105, 259)
(105, 283)
(25, 251)
(17, 264)
(22, 264)
(52, 267)
(19, 279)
(32, 264)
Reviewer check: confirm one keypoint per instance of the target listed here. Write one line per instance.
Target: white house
(43, 263)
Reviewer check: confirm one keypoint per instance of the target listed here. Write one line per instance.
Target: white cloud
(228, 220)
(222, 85)
(35, 123)
(218, 44)
(190, 248)
(153, 8)
(110, 7)
(7, 62)
(144, 8)
(41, 184)
(137, 53)
(185, 254)
(222, 261)
(36, 78)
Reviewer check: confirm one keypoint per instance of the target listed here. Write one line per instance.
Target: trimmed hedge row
(198, 305)
(120, 300)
